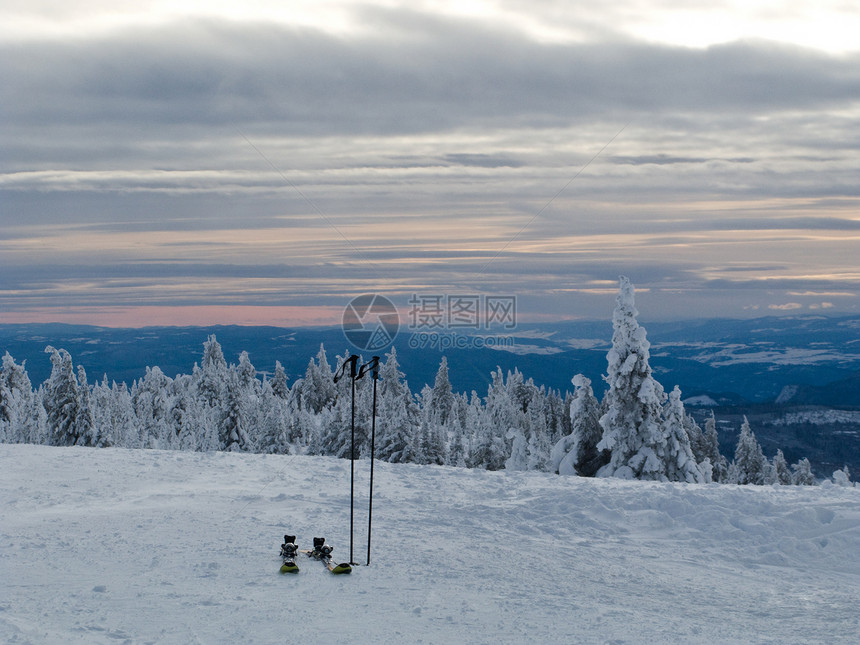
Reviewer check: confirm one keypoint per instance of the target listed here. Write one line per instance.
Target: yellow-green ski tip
(341, 568)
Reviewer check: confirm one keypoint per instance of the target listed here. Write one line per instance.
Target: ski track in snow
(122, 546)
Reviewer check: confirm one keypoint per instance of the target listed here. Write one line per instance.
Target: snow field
(144, 546)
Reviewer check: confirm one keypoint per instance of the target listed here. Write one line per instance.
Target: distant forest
(637, 430)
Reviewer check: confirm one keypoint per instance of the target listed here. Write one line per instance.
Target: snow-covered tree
(151, 399)
(677, 454)
(280, 387)
(780, 470)
(318, 389)
(711, 450)
(487, 446)
(17, 404)
(634, 430)
(498, 417)
(519, 459)
(577, 453)
(84, 421)
(538, 448)
(212, 374)
(801, 473)
(334, 432)
(233, 427)
(438, 404)
(842, 477)
(750, 465)
(61, 399)
(398, 414)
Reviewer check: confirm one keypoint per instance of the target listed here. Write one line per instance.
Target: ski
(288, 553)
(322, 552)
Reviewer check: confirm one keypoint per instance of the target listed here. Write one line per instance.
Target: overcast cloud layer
(201, 158)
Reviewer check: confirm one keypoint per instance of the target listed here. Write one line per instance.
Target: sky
(265, 162)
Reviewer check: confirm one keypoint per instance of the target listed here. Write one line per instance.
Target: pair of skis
(321, 552)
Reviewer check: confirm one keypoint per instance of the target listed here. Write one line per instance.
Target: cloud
(251, 160)
(415, 72)
(788, 306)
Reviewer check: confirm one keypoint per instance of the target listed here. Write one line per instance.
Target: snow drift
(147, 546)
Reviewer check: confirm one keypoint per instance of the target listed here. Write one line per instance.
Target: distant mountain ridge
(731, 361)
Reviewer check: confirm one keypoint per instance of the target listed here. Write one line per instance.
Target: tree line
(637, 430)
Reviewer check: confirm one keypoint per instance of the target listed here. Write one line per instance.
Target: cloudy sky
(263, 162)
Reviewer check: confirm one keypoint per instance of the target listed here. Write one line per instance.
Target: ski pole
(351, 361)
(372, 452)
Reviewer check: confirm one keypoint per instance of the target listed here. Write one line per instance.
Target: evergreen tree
(212, 375)
(842, 477)
(246, 375)
(577, 453)
(781, 470)
(488, 447)
(151, 399)
(538, 448)
(719, 464)
(398, 414)
(279, 385)
(750, 465)
(801, 473)
(233, 428)
(17, 403)
(519, 452)
(318, 389)
(677, 454)
(273, 422)
(86, 428)
(433, 430)
(633, 427)
(439, 403)
(491, 423)
(61, 399)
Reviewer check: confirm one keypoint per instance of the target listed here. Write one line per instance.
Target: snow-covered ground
(112, 546)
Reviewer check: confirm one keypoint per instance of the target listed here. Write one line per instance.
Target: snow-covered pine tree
(577, 453)
(273, 417)
(17, 403)
(398, 414)
(719, 464)
(212, 374)
(801, 473)
(438, 405)
(538, 448)
(842, 477)
(233, 433)
(434, 431)
(677, 454)
(84, 421)
(458, 450)
(334, 430)
(151, 399)
(246, 375)
(500, 415)
(279, 382)
(487, 448)
(750, 465)
(61, 399)
(519, 454)
(318, 389)
(633, 427)
(781, 470)
(249, 391)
